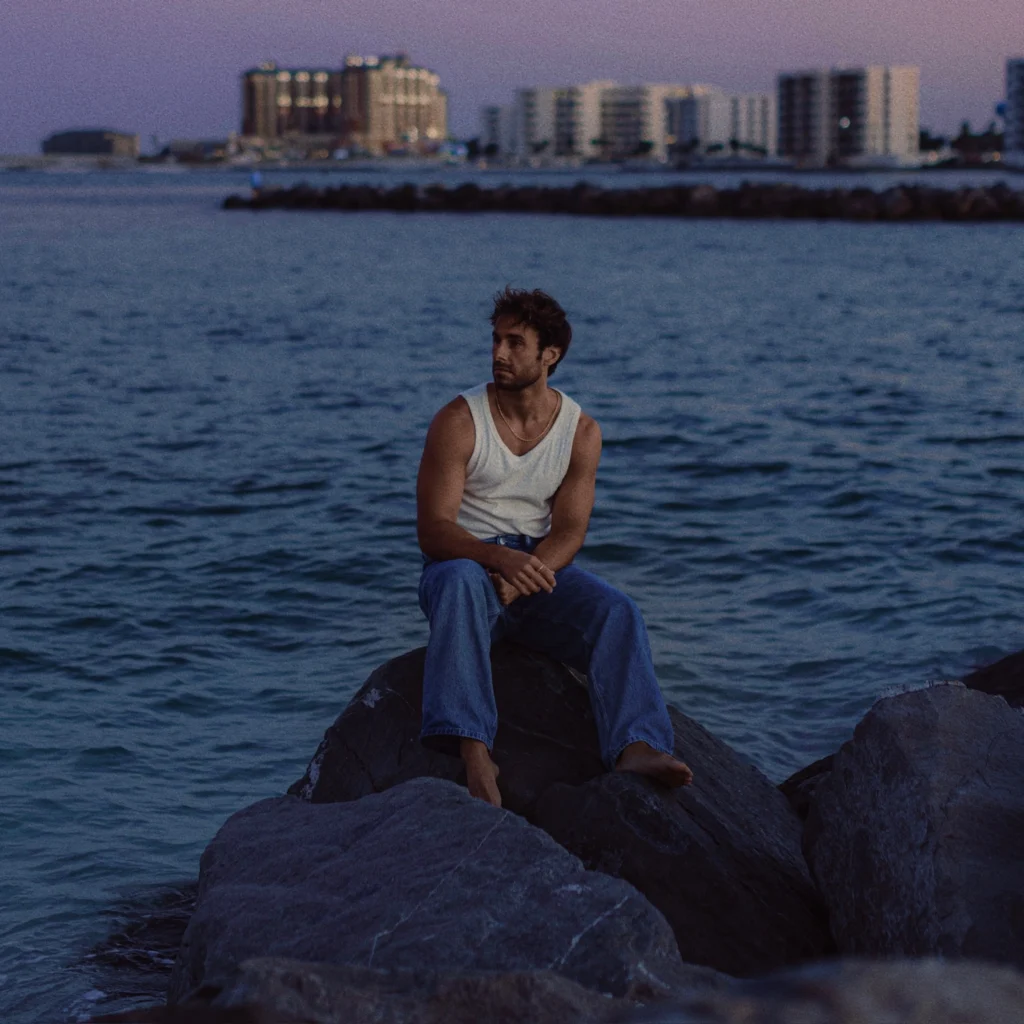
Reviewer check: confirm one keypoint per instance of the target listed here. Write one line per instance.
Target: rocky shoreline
(882, 884)
(904, 203)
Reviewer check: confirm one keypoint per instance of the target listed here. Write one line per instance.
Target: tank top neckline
(540, 443)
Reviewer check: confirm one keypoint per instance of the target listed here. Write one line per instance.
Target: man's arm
(439, 488)
(574, 499)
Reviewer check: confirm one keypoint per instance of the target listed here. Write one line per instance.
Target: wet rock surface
(998, 202)
(423, 877)
(915, 836)
(857, 992)
(546, 733)
(720, 859)
(292, 990)
(1004, 678)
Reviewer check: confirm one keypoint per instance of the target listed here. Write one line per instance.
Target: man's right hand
(529, 575)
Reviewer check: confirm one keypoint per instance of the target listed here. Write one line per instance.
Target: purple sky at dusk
(171, 67)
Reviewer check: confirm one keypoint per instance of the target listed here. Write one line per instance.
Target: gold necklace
(536, 437)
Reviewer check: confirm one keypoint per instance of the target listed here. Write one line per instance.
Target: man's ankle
(473, 750)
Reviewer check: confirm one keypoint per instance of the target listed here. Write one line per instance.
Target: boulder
(546, 733)
(800, 787)
(915, 836)
(323, 993)
(1003, 679)
(857, 992)
(422, 877)
(720, 859)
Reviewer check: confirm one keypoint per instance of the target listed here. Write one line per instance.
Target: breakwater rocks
(378, 889)
(997, 202)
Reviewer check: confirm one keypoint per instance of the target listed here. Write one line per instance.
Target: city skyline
(139, 66)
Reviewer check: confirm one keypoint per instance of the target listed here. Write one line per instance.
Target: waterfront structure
(389, 103)
(712, 122)
(373, 103)
(534, 122)
(92, 142)
(634, 120)
(849, 116)
(578, 127)
(281, 102)
(497, 131)
(1014, 119)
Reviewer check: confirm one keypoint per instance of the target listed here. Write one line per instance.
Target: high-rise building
(377, 103)
(578, 126)
(388, 102)
(712, 122)
(279, 102)
(1014, 142)
(535, 122)
(849, 115)
(634, 120)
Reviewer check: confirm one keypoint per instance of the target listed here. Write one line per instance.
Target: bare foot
(643, 759)
(481, 771)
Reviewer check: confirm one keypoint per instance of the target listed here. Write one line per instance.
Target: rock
(322, 993)
(720, 859)
(858, 992)
(916, 835)
(703, 201)
(423, 877)
(546, 733)
(1003, 679)
(800, 787)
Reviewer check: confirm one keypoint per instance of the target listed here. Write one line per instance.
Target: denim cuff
(449, 742)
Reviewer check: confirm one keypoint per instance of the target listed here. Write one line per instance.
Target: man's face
(517, 360)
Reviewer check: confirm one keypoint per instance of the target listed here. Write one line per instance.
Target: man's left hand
(506, 592)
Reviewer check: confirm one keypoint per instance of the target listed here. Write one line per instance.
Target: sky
(171, 68)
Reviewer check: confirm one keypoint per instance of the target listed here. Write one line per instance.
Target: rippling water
(813, 484)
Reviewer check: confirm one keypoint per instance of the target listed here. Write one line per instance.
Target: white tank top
(508, 493)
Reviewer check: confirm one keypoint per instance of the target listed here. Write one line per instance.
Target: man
(504, 496)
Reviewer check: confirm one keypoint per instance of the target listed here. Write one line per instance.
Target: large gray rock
(327, 994)
(720, 859)
(546, 733)
(857, 992)
(1004, 678)
(423, 877)
(916, 835)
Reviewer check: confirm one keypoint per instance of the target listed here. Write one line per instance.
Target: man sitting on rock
(504, 496)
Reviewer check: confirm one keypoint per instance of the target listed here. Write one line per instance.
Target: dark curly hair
(538, 310)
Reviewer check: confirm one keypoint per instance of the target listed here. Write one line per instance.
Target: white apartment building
(1014, 143)
(578, 120)
(534, 123)
(634, 120)
(712, 122)
(849, 116)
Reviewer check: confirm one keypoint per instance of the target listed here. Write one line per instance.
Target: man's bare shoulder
(451, 429)
(586, 444)
(588, 432)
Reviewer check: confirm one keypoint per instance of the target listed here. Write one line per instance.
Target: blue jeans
(584, 623)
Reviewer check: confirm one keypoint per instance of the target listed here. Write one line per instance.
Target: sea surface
(812, 484)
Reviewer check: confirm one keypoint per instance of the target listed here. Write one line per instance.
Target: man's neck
(533, 402)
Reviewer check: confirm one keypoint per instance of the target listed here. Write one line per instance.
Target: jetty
(768, 201)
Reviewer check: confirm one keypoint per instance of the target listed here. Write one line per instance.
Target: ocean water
(812, 484)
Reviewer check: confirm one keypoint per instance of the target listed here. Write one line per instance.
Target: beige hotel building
(376, 103)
